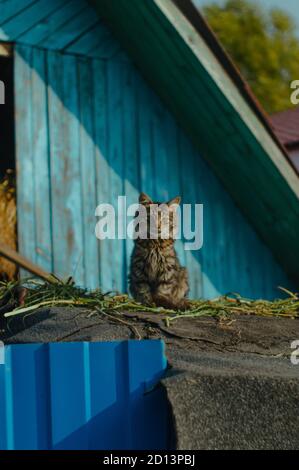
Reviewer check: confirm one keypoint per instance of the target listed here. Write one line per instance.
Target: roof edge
(197, 20)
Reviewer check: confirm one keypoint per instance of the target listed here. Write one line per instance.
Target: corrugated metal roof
(286, 126)
(83, 396)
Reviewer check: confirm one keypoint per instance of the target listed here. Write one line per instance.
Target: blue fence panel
(83, 396)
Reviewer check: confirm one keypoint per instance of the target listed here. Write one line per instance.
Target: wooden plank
(23, 262)
(24, 153)
(71, 30)
(107, 46)
(65, 167)
(55, 21)
(29, 17)
(174, 171)
(115, 161)
(12, 7)
(83, 44)
(97, 42)
(191, 184)
(106, 256)
(159, 150)
(130, 145)
(145, 150)
(88, 173)
(41, 161)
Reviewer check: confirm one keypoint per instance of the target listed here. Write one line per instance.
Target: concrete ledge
(245, 403)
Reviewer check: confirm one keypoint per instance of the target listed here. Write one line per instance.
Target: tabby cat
(156, 277)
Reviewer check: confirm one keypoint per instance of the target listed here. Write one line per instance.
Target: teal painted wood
(88, 41)
(64, 130)
(190, 195)
(75, 27)
(41, 30)
(104, 133)
(116, 163)
(41, 162)
(28, 17)
(102, 165)
(107, 46)
(11, 8)
(71, 26)
(145, 143)
(24, 152)
(130, 146)
(88, 173)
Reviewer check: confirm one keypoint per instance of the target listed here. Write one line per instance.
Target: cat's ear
(175, 200)
(144, 199)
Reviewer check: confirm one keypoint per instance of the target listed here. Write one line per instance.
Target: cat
(156, 276)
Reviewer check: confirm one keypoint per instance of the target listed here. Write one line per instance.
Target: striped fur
(156, 277)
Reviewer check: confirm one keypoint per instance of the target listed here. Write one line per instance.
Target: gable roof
(202, 27)
(184, 63)
(192, 74)
(286, 126)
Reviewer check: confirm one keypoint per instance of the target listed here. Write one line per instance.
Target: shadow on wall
(89, 130)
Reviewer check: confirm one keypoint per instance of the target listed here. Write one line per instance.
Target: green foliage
(38, 294)
(263, 45)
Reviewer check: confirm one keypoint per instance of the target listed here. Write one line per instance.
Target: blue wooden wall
(89, 128)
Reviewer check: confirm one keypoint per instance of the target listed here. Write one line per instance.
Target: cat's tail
(161, 300)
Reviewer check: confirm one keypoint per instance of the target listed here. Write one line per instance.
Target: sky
(290, 6)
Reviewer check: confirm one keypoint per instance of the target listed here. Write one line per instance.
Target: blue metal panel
(83, 396)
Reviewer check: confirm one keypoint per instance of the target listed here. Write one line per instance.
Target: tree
(263, 45)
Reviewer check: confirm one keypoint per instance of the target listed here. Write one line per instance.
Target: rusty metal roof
(286, 127)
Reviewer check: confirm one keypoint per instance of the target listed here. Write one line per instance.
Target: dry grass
(40, 294)
(8, 223)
